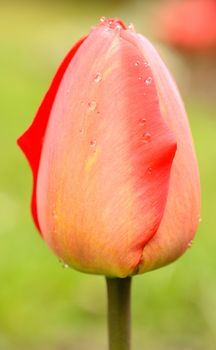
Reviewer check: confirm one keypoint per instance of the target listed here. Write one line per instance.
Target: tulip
(196, 33)
(116, 186)
(194, 38)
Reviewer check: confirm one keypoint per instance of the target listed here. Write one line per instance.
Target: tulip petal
(31, 142)
(105, 165)
(182, 211)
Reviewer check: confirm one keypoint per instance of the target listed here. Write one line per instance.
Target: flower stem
(119, 318)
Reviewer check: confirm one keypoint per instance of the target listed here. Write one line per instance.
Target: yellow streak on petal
(109, 70)
(92, 160)
(112, 51)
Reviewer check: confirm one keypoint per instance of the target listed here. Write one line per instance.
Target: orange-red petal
(31, 142)
(181, 215)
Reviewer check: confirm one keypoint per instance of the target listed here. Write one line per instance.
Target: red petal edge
(31, 141)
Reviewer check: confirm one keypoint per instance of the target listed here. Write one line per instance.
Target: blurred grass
(42, 305)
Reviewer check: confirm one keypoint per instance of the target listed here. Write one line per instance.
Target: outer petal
(105, 164)
(181, 215)
(31, 142)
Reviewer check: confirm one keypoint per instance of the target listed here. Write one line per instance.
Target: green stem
(119, 318)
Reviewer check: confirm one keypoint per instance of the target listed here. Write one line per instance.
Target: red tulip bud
(188, 25)
(116, 187)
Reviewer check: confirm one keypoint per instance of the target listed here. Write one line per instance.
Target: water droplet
(64, 265)
(81, 130)
(54, 215)
(149, 171)
(93, 143)
(97, 77)
(146, 137)
(118, 26)
(148, 80)
(139, 78)
(92, 105)
(131, 27)
(190, 244)
(142, 121)
(146, 64)
(102, 19)
(113, 24)
(137, 63)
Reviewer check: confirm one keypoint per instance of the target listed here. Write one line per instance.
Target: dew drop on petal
(97, 77)
(93, 143)
(146, 137)
(131, 27)
(118, 27)
(54, 215)
(92, 105)
(148, 80)
(146, 64)
(81, 130)
(149, 171)
(142, 121)
(190, 244)
(137, 63)
(63, 264)
(112, 24)
(139, 78)
(102, 19)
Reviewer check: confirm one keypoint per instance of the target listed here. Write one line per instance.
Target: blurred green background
(42, 305)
